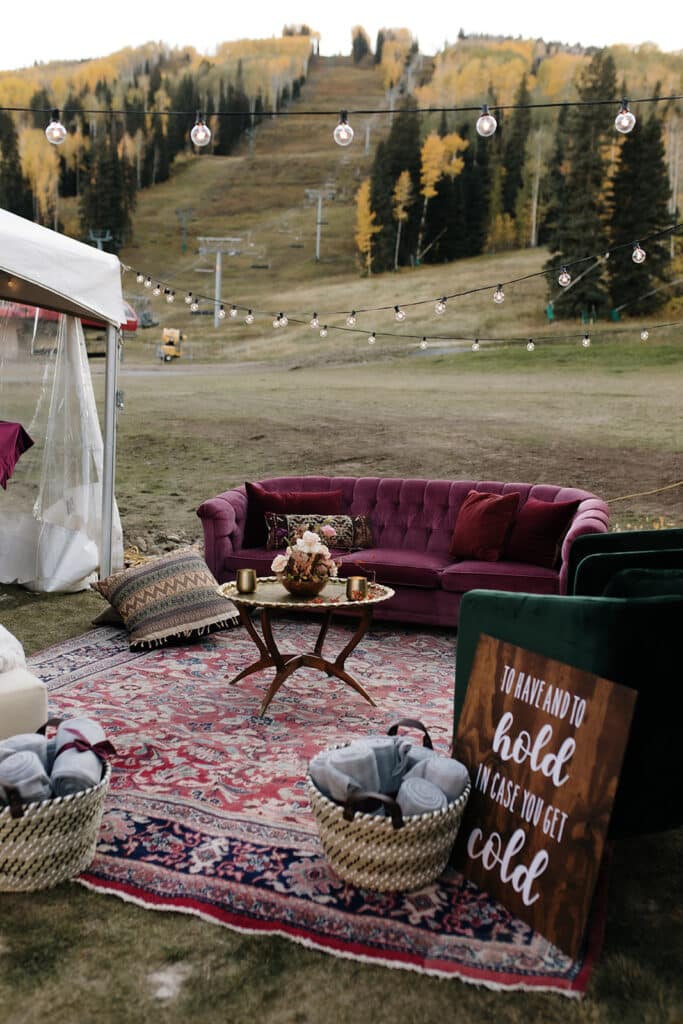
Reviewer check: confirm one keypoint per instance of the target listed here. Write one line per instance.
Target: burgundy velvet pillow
(538, 531)
(483, 523)
(259, 501)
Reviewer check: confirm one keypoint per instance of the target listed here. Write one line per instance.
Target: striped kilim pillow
(174, 597)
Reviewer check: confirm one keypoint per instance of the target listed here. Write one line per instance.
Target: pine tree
(514, 150)
(640, 207)
(554, 185)
(399, 152)
(108, 200)
(15, 191)
(581, 218)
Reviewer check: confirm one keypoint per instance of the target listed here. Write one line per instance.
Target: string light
(372, 339)
(351, 319)
(423, 343)
(323, 331)
(486, 123)
(499, 294)
(201, 133)
(530, 345)
(399, 314)
(221, 312)
(564, 277)
(156, 290)
(280, 320)
(475, 345)
(55, 131)
(343, 133)
(638, 255)
(233, 312)
(314, 322)
(625, 121)
(249, 318)
(139, 277)
(644, 334)
(170, 298)
(440, 307)
(188, 298)
(194, 306)
(586, 341)
(148, 282)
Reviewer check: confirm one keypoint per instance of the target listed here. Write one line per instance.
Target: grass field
(248, 403)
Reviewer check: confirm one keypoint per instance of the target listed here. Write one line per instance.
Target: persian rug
(208, 814)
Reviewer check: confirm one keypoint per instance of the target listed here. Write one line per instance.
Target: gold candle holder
(246, 581)
(357, 588)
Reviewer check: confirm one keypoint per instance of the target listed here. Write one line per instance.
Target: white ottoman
(23, 702)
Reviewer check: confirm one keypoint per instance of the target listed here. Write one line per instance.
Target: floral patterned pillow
(351, 532)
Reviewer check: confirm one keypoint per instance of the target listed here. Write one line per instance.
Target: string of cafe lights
(321, 321)
(343, 133)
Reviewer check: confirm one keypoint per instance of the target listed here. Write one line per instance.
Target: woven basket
(371, 852)
(52, 841)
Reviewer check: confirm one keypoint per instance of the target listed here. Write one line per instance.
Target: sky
(77, 29)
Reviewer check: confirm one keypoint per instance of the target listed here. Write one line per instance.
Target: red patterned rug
(207, 812)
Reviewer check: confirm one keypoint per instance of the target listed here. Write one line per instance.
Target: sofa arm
(592, 516)
(223, 520)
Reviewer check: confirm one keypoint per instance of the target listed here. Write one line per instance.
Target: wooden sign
(544, 744)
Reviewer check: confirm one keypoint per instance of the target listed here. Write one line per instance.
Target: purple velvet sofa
(412, 524)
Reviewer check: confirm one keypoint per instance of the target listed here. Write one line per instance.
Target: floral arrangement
(307, 557)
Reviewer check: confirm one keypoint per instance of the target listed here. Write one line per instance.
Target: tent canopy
(40, 267)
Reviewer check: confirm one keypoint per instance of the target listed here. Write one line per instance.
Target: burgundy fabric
(513, 576)
(14, 441)
(483, 523)
(395, 566)
(537, 532)
(260, 500)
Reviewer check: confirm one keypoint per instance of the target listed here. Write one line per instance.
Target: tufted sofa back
(414, 514)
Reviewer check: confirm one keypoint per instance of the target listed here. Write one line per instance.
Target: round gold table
(271, 596)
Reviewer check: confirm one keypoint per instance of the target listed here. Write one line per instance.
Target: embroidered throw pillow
(483, 523)
(260, 501)
(172, 598)
(538, 531)
(351, 532)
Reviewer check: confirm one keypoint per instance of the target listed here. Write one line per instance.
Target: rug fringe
(321, 947)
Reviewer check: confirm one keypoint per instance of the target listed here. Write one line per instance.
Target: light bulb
(201, 133)
(564, 277)
(170, 297)
(139, 277)
(188, 298)
(156, 290)
(423, 343)
(399, 314)
(323, 331)
(638, 255)
(55, 131)
(486, 123)
(276, 321)
(372, 339)
(221, 313)
(314, 322)
(148, 282)
(283, 320)
(249, 318)
(343, 133)
(351, 319)
(530, 345)
(644, 334)
(499, 294)
(475, 345)
(625, 121)
(440, 307)
(194, 306)
(586, 341)
(233, 312)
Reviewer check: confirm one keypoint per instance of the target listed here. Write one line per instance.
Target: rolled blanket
(390, 754)
(450, 776)
(338, 772)
(34, 741)
(417, 796)
(24, 772)
(417, 754)
(11, 652)
(78, 765)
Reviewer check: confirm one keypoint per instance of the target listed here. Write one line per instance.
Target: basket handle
(415, 724)
(367, 800)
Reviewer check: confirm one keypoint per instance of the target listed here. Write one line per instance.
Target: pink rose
(328, 531)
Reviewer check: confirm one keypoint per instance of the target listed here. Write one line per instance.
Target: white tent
(39, 267)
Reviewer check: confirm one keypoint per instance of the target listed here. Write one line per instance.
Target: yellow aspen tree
(439, 156)
(365, 225)
(401, 199)
(40, 164)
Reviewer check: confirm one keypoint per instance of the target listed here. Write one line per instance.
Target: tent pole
(109, 459)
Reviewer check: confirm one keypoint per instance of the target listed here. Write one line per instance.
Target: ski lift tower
(316, 195)
(230, 246)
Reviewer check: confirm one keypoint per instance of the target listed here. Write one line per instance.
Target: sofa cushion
(174, 597)
(260, 501)
(470, 575)
(537, 532)
(351, 532)
(396, 566)
(482, 525)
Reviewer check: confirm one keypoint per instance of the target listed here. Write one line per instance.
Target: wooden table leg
(266, 650)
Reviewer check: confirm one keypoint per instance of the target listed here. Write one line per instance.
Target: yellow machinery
(171, 340)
